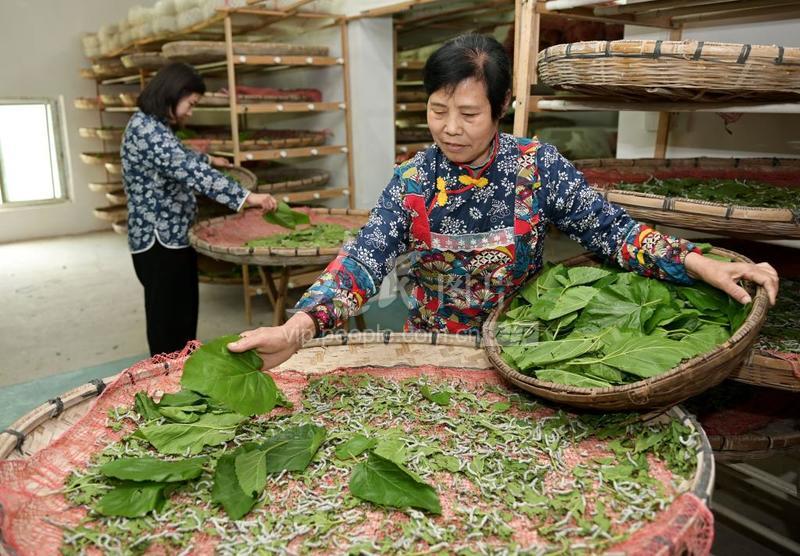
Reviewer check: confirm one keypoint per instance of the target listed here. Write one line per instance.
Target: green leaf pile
(286, 217)
(598, 327)
(318, 235)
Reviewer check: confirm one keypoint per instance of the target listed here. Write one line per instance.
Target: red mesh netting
(237, 230)
(607, 177)
(31, 505)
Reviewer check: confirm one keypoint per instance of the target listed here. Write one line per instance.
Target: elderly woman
(473, 211)
(161, 177)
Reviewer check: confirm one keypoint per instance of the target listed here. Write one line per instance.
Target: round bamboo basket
(245, 177)
(144, 60)
(99, 158)
(688, 379)
(200, 52)
(104, 187)
(731, 220)
(87, 103)
(128, 99)
(372, 352)
(112, 213)
(280, 179)
(771, 369)
(110, 100)
(204, 238)
(114, 168)
(693, 71)
(111, 133)
(117, 197)
(120, 226)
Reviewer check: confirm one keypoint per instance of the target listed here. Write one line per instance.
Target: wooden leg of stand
(268, 284)
(248, 308)
(360, 322)
(280, 305)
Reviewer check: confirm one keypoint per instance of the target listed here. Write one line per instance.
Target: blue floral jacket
(161, 176)
(475, 236)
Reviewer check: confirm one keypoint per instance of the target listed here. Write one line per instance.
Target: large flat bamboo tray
(224, 237)
(280, 179)
(99, 158)
(144, 60)
(104, 187)
(696, 71)
(201, 52)
(688, 379)
(731, 220)
(263, 139)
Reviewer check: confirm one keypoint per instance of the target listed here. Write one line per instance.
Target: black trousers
(169, 277)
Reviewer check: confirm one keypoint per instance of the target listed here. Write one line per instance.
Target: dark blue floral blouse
(475, 236)
(161, 176)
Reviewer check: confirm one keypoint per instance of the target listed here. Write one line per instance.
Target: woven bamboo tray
(112, 213)
(694, 71)
(411, 96)
(412, 135)
(87, 73)
(109, 68)
(205, 238)
(88, 132)
(120, 227)
(87, 103)
(245, 177)
(372, 352)
(688, 379)
(220, 99)
(128, 99)
(114, 168)
(99, 158)
(144, 60)
(200, 52)
(280, 179)
(110, 100)
(104, 187)
(117, 197)
(266, 139)
(110, 133)
(746, 422)
(731, 220)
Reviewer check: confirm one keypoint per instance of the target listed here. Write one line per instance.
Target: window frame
(57, 153)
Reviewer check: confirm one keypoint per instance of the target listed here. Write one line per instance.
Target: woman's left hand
(265, 201)
(219, 161)
(725, 276)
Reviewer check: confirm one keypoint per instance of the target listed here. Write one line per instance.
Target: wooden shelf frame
(674, 15)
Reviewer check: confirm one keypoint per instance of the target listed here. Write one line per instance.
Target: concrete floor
(74, 302)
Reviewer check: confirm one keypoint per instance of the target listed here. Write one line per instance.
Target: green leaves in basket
(210, 429)
(134, 499)
(286, 217)
(154, 470)
(290, 450)
(227, 490)
(355, 446)
(232, 379)
(319, 235)
(383, 482)
(598, 327)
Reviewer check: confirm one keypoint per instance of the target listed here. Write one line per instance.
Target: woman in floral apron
(472, 212)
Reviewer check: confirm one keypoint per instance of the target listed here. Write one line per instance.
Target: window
(31, 162)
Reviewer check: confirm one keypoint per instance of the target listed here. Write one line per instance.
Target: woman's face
(183, 110)
(461, 121)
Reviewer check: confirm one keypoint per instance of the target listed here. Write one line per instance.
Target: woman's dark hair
(471, 55)
(160, 97)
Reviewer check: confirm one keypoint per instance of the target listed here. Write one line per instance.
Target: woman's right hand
(276, 344)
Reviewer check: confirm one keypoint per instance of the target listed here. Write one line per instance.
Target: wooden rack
(663, 14)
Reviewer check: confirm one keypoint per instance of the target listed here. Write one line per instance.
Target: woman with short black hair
(473, 211)
(161, 177)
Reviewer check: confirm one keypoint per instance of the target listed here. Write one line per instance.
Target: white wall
(703, 134)
(40, 56)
